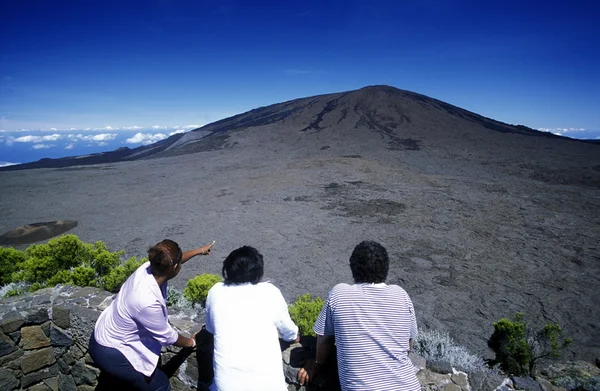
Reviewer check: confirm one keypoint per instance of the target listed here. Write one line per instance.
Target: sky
(79, 77)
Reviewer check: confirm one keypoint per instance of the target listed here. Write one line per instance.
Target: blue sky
(123, 67)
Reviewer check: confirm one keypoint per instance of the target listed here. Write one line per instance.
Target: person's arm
(286, 327)
(204, 250)
(313, 367)
(185, 342)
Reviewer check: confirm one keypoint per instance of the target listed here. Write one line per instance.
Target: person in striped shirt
(372, 326)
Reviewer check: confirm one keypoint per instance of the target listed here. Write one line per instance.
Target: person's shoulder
(397, 289)
(340, 289)
(268, 286)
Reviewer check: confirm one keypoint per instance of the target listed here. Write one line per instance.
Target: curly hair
(369, 262)
(242, 265)
(163, 255)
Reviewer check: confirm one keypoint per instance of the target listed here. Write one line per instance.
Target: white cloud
(177, 132)
(98, 138)
(42, 146)
(70, 146)
(5, 164)
(134, 127)
(145, 138)
(38, 139)
(156, 127)
(562, 130)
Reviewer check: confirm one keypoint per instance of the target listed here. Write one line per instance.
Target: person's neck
(161, 280)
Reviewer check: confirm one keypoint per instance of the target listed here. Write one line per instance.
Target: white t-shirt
(246, 321)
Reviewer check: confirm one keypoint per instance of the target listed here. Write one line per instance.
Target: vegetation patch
(196, 289)
(304, 312)
(65, 260)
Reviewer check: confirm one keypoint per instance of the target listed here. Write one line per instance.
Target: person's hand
(297, 337)
(205, 250)
(308, 372)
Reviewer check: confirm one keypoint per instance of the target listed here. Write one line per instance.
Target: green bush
(116, 276)
(518, 349)
(9, 259)
(66, 260)
(304, 313)
(197, 288)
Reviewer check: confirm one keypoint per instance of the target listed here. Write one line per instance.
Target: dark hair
(369, 262)
(163, 255)
(244, 264)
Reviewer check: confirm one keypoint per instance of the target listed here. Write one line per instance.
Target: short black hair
(369, 262)
(244, 264)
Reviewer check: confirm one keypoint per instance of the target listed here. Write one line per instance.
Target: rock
(52, 383)
(417, 361)
(11, 357)
(11, 322)
(83, 374)
(39, 387)
(484, 381)
(37, 316)
(450, 387)
(46, 328)
(37, 359)
(439, 366)
(8, 380)
(60, 316)
(82, 322)
(33, 337)
(427, 377)
(59, 337)
(525, 383)
(85, 387)
(37, 376)
(460, 379)
(66, 383)
(15, 336)
(7, 345)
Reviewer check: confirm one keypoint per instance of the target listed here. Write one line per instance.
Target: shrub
(116, 277)
(196, 289)
(9, 259)
(433, 345)
(304, 313)
(518, 349)
(175, 299)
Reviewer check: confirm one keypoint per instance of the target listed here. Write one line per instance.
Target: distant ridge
(407, 120)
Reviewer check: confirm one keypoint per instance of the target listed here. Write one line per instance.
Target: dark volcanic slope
(403, 121)
(481, 219)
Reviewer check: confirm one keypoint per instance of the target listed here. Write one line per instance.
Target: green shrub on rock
(196, 289)
(66, 260)
(518, 349)
(304, 313)
(9, 259)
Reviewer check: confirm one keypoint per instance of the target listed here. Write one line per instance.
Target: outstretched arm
(312, 368)
(204, 250)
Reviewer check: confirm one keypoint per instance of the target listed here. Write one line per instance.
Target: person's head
(165, 258)
(369, 262)
(244, 264)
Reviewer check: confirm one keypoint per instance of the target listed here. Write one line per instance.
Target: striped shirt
(372, 325)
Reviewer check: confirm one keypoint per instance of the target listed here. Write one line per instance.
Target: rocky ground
(479, 223)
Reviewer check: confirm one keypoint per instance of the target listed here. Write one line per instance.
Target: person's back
(246, 316)
(372, 324)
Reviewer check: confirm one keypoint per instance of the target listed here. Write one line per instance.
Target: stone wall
(44, 339)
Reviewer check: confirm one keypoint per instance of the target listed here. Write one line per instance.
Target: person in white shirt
(130, 332)
(246, 317)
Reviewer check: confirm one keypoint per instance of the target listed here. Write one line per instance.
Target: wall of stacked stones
(44, 340)
(44, 346)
